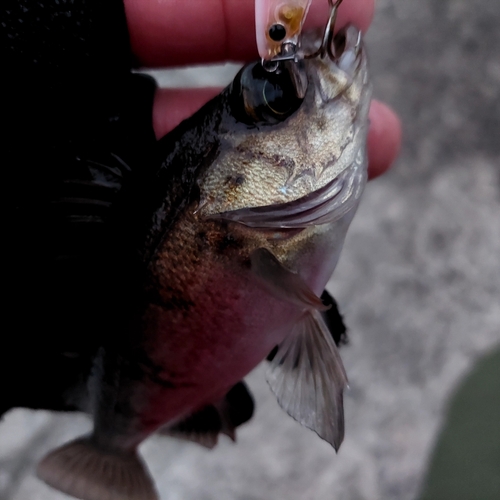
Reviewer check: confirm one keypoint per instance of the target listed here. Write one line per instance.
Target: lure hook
(327, 47)
(278, 26)
(284, 51)
(289, 49)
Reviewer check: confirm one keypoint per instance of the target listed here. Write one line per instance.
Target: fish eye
(258, 96)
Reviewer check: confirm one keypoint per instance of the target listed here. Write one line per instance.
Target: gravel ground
(418, 283)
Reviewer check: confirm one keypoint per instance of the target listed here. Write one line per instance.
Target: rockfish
(249, 211)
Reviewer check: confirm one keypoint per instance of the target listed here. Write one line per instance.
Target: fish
(245, 219)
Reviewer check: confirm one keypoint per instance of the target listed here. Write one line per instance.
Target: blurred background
(418, 283)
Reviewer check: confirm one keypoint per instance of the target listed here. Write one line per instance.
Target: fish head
(288, 134)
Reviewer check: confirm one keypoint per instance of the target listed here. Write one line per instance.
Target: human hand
(167, 33)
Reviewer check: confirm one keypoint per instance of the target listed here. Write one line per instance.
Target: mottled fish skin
(211, 313)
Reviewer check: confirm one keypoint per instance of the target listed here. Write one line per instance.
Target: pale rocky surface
(419, 284)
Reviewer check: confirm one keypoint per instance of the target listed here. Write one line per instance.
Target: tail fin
(83, 470)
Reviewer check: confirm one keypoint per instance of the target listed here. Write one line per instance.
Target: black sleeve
(69, 103)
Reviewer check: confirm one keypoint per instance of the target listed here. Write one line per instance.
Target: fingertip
(384, 138)
(172, 106)
(175, 33)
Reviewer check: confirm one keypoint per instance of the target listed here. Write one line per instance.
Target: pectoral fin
(282, 282)
(333, 320)
(204, 426)
(308, 378)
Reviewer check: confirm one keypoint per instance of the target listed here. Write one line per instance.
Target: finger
(174, 105)
(180, 32)
(384, 138)
(171, 106)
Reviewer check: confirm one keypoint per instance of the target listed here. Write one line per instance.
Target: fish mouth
(323, 206)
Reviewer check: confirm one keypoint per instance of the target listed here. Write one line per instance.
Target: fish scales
(245, 223)
(218, 287)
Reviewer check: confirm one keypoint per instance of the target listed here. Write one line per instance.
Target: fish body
(250, 208)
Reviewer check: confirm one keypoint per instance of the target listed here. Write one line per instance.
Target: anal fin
(202, 427)
(308, 378)
(222, 417)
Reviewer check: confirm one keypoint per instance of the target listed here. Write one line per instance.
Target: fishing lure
(278, 22)
(278, 26)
